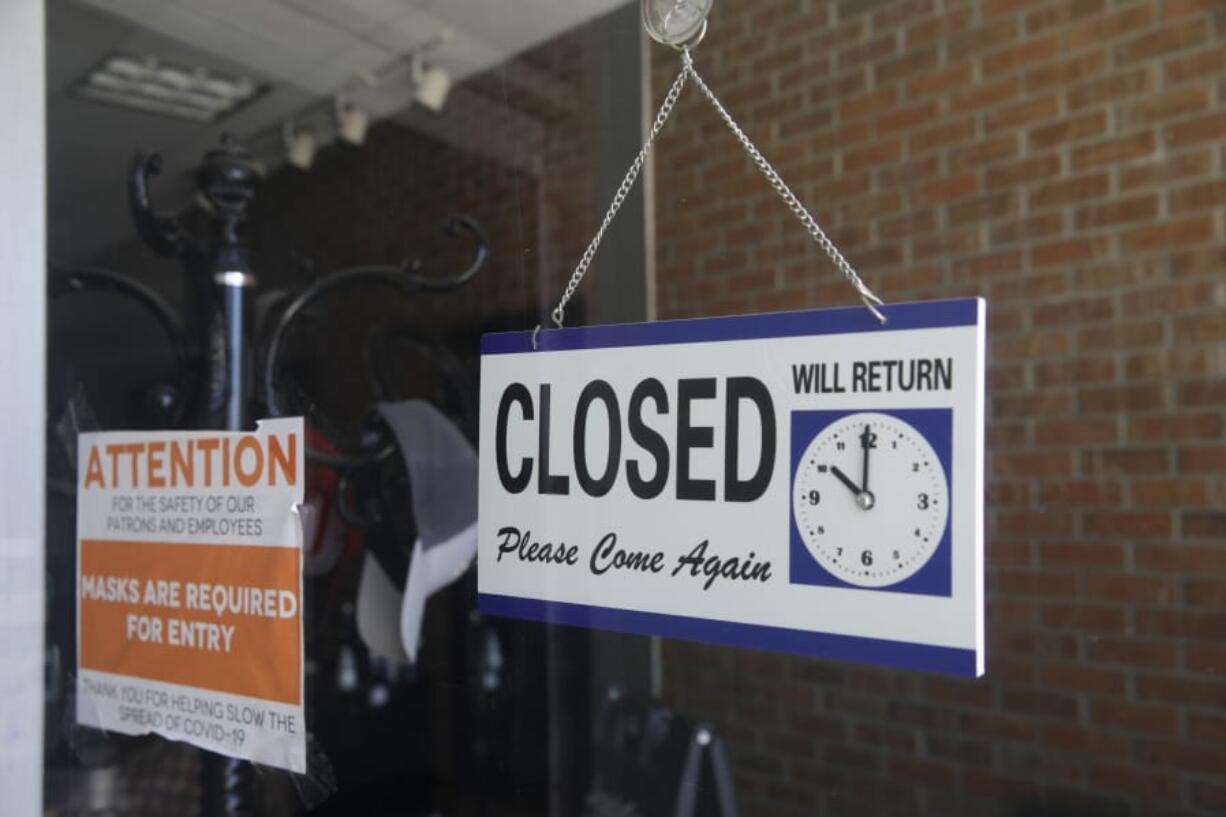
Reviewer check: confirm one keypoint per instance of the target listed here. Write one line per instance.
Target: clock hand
(864, 444)
(843, 478)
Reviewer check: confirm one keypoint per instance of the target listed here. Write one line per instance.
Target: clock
(870, 498)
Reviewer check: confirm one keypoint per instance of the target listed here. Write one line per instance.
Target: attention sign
(808, 482)
(189, 588)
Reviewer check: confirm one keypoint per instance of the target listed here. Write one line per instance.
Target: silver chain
(772, 176)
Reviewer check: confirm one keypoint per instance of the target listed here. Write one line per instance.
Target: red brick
(1205, 593)
(982, 153)
(1169, 234)
(1129, 524)
(1206, 728)
(1133, 652)
(1083, 617)
(1067, 191)
(983, 39)
(1170, 105)
(867, 53)
(1098, 555)
(1206, 659)
(1193, 164)
(874, 102)
(1130, 589)
(941, 135)
(1114, 275)
(1061, 14)
(946, 190)
(1195, 131)
(1203, 459)
(1024, 113)
(1076, 432)
(889, 124)
(945, 244)
(1209, 795)
(1068, 130)
(1044, 225)
(1113, 88)
(974, 98)
(1178, 491)
(1181, 624)
(1040, 704)
(1119, 211)
(938, 27)
(1033, 463)
(1149, 719)
(1193, 757)
(1201, 328)
(1175, 427)
(1030, 170)
(1115, 336)
(1141, 782)
(1056, 74)
(938, 82)
(1070, 251)
(1163, 41)
(1180, 558)
(1114, 399)
(1075, 371)
(1028, 52)
(1206, 63)
(910, 63)
(1081, 740)
(1113, 151)
(1181, 689)
(1110, 27)
(1021, 583)
(1082, 678)
(1172, 9)
(1031, 644)
(1209, 525)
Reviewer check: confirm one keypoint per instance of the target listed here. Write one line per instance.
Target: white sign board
(189, 588)
(808, 482)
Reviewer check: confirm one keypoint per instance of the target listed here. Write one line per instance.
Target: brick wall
(1066, 160)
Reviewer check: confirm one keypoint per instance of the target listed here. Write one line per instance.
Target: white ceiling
(305, 50)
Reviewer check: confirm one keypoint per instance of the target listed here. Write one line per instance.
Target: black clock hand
(843, 478)
(864, 444)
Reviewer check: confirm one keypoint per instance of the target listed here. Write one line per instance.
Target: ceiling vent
(152, 86)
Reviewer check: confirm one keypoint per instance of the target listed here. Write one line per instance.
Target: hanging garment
(442, 468)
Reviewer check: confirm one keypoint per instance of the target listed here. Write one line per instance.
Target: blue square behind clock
(934, 578)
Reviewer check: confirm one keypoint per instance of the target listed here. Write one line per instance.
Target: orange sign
(189, 588)
(220, 617)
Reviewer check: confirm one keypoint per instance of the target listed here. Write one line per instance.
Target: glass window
(294, 208)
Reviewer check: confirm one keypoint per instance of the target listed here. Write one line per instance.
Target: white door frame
(23, 287)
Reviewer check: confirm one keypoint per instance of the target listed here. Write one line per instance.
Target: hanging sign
(189, 588)
(808, 482)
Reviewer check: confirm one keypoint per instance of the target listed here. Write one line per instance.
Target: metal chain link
(666, 108)
(789, 198)
(772, 176)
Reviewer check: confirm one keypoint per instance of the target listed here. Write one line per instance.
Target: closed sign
(809, 482)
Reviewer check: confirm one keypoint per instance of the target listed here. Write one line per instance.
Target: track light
(299, 146)
(432, 84)
(351, 122)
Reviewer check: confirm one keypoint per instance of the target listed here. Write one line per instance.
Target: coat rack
(216, 383)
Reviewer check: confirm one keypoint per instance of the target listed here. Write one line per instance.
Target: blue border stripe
(921, 315)
(899, 654)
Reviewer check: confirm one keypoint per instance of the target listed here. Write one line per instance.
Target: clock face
(870, 499)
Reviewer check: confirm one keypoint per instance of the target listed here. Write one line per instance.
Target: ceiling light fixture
(156, 87)
(431, 83)
(299, 146)
(351, 121)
